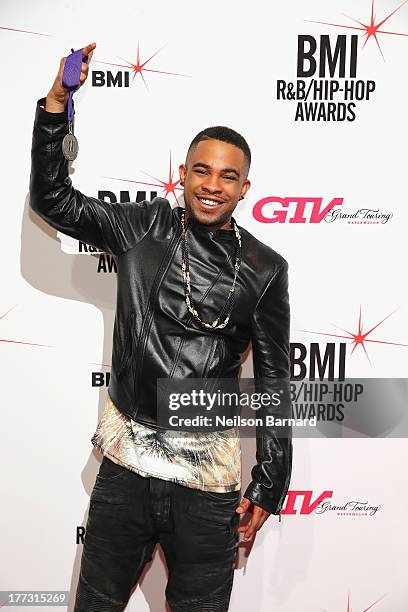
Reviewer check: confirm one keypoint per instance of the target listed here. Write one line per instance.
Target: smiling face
(215, 176)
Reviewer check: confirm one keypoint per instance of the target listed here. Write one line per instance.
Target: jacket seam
(143, 237)
(274, 275)
(148, 317)
(210, 357)
(287, 479)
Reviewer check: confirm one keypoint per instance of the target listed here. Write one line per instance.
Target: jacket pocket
(128, 348)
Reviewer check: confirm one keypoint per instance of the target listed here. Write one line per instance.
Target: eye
(201, 171)
(230, 178)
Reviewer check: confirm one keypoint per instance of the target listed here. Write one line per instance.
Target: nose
(211, 184)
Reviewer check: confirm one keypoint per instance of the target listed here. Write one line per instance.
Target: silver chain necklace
(186, 279)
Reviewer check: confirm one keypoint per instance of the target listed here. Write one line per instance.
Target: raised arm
(113, 228)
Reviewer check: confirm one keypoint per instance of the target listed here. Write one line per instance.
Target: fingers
(86, 60)
(58, 89)
(87, 55)
(87, 50)
(246, 530)
(243, 506)
(258, 519)
(250, 528)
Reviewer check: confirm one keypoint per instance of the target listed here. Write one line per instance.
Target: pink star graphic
(348, 609)
(359, 337)
(168, 186)
(20, 341)
(24, 31)
(36, 344)
(139, 66)
(371, 29)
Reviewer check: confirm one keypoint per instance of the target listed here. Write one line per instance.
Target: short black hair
(226, 134)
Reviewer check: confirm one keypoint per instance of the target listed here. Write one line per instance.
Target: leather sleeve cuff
(43, 116)
(257, 494)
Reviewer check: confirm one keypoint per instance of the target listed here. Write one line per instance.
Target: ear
(182, 171)
(245, 186)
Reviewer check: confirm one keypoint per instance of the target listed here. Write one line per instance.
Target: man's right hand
(57, 97)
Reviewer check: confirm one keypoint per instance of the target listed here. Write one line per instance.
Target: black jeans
(129, 514)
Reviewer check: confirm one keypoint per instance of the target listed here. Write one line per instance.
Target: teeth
(208, 202)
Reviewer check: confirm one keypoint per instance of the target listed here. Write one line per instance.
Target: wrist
(52, 105)
(44, 117)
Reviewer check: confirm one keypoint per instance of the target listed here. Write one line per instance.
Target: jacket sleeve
(270, 347)
(114, 228)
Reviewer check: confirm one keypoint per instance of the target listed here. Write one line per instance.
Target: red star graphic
(168, 186)
(20, 341)
(359, 337)
(103, 365)
(371, 29)
(348, 609)
(36, 344)
(139, 67)
(25, 31)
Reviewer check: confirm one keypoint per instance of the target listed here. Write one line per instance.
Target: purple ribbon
(71, 76)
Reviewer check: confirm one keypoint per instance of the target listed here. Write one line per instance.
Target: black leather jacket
(154, 335)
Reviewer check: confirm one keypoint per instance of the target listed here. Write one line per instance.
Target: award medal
(70, 80)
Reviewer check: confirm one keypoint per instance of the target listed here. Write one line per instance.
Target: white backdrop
(57, 310)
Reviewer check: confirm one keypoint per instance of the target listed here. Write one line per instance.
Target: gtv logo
(274, 209)
(305, 505)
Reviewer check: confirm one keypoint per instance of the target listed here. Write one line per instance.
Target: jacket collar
(199, 228)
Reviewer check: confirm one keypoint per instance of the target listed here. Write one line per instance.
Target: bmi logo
(120, 75)
(327, 87)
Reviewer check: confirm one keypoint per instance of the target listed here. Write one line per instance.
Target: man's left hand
(259, 516)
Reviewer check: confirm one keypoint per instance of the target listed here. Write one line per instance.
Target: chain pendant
(187, 286)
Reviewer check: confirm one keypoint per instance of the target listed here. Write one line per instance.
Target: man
(194, 289)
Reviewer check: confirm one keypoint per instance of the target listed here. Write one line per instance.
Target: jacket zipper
(221, 363)
(164, 266)
(283, 496)
(210, 357)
